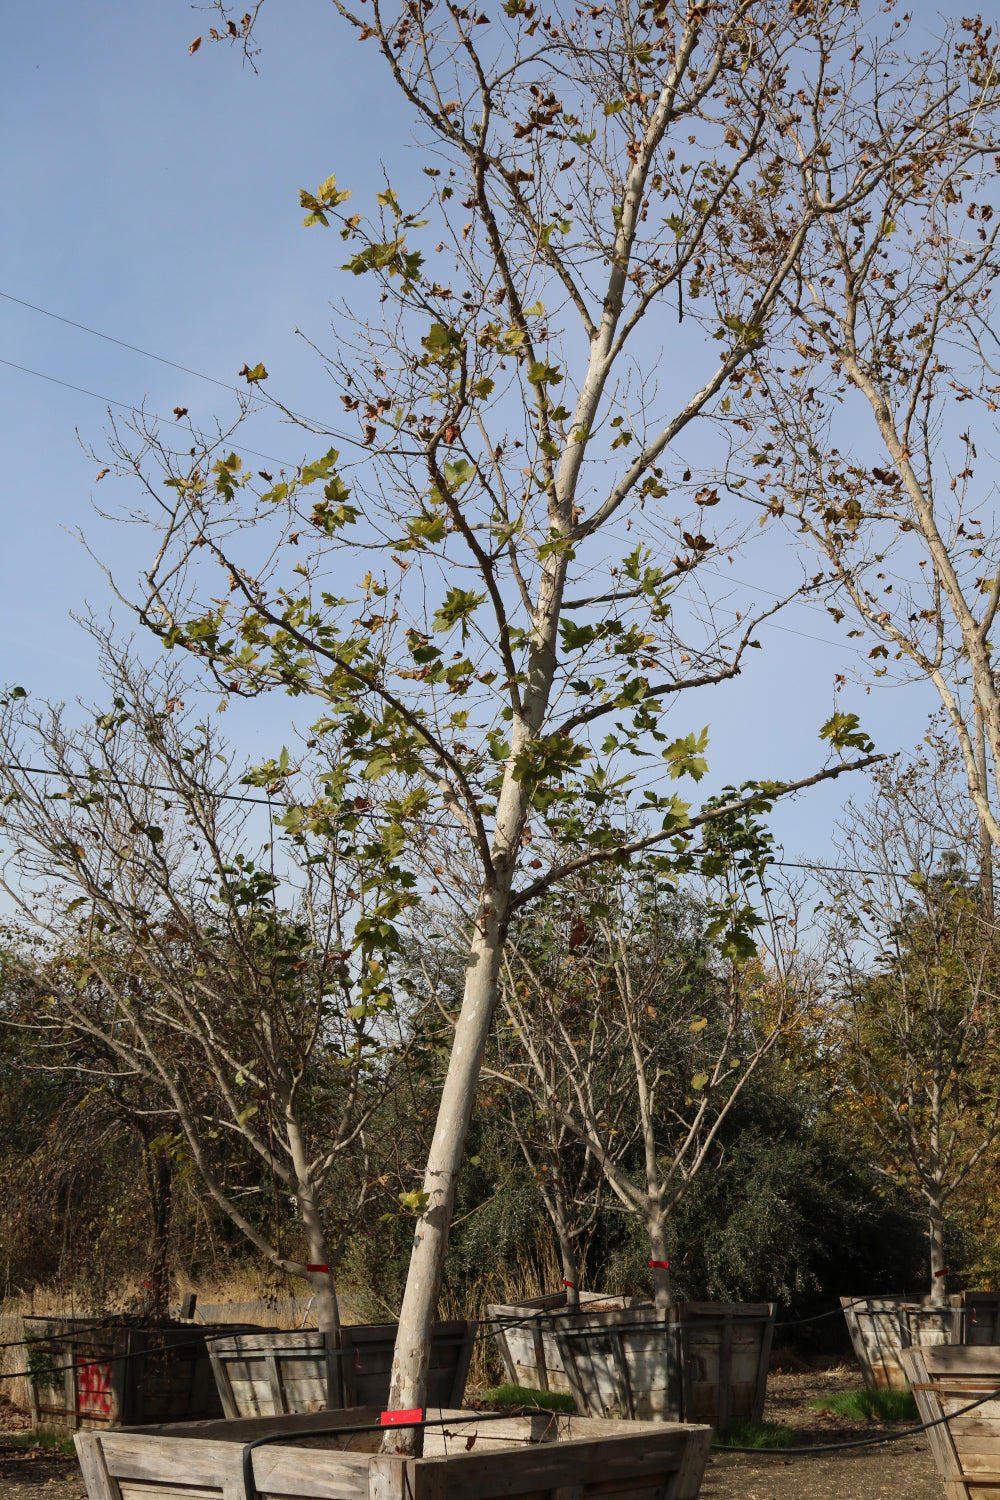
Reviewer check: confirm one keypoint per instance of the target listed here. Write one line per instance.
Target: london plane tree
(493, 618)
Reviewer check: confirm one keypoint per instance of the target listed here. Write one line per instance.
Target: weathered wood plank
(100, 1485)
(630, 1458)
(387, 1475)
(144, 1456)
(303, 1361)
(692, 1467)
(940, 1439)
(967, 1448)
(135, 1490)
(527, 1457)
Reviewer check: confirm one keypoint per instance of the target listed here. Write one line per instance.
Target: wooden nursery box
(966, 1448)
(707, 1362)
(77, 1379)
(617, 1357)
(882, 1327)
(526, 1339)
(982, 1321)
(549, 1456)
(269, 1374)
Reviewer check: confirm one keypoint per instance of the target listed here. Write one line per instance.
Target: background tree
(588, 173)
(228, 991)
(915, 963)
(640, 1016)
(875, 435)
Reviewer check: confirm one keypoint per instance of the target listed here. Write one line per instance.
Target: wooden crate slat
(99, 1389)
(966, 1448)
(100, 1485)
(302, 1361)
(547, 1456)
(136, 1490)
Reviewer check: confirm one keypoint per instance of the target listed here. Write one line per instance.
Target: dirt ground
(33, 1473)
(895, 1471)
(902, 1470)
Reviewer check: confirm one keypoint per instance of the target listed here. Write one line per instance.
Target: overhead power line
(161, 359)
(154, 786)
(126, 406)
(122, 344)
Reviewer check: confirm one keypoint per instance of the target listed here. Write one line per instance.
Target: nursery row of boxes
(649, 1386)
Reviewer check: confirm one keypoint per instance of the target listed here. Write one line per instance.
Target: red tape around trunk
(659, 1265)
(317, 1268)
(398, 1418)
(570, 1284)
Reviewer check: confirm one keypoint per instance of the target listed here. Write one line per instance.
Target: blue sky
(154, 196)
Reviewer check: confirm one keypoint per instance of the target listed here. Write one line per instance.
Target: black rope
(251, 1491)
(249, 1483)
(84, 1360)
(487, 1327)
(885, 1437)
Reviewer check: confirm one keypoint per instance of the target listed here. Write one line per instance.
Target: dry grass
(12, 1360)
(535, 1272)
(42, 1300)
(260, 1295)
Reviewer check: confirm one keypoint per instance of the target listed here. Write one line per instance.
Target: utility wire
(110, 339)
(161, 359)
(156, 786)
(127, 406)
(310, 421)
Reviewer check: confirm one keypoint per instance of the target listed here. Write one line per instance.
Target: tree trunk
(555, 1202)
(985, 842)
(160, 1178)
(411, 1360)
(567, 1256)
(320, 1270)
(662, 1300)
(939, 1288)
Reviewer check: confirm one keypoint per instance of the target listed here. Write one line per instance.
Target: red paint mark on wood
(93, 1382)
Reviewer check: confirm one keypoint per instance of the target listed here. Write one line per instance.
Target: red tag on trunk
(659, 1265)
(317, 1268)
(401, 1418)
(945, 1272)
(570, 1284)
